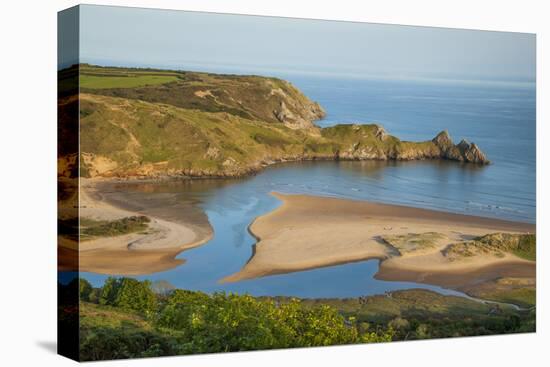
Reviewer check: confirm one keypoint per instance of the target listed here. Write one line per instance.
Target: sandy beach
(145, 252)
(308, 232)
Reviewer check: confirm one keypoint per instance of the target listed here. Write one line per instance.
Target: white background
(28, 181)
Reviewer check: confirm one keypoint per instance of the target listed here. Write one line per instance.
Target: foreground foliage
(126, 319)
(132, 321)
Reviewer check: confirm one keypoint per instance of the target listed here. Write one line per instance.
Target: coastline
(283, 143)
(308, 232)
(150, 174)
(136, 253)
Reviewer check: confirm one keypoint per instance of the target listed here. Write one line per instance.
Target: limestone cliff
(363, 142)
(462, 152)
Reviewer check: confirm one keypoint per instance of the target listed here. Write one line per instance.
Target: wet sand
(308, 232)
(136, 253)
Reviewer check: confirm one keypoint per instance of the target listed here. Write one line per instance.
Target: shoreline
(308, 232)
(258, 168)
(135, 253)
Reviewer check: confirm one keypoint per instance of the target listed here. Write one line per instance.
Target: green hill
(145, 122)
(252, 97)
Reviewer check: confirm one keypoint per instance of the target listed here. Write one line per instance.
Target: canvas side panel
(67, 182)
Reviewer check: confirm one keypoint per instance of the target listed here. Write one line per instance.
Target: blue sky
(191, 40)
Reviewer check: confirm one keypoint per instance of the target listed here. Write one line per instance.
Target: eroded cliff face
(208, 125)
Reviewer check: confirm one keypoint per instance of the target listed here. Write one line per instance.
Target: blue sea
(499, 117)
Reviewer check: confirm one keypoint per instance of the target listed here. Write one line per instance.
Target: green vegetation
(526, 247)
(129, 294)
(141, 138)
(90, 228)
(85, 289)
(201, 124)
(519, 291)
(108, 332)
(97, 315)
(186, 141)
(420, 314)
(497, 244)
(232, 322)
(524, 297)
(247, 96)
(123, 81)
(127, 320)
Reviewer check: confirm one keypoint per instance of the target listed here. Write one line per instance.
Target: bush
(187, 322)
(110, 343)
(85, 289)
(231, 323)
(129, 294)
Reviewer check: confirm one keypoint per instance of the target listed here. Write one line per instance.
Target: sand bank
(145, 252)
(308, 232)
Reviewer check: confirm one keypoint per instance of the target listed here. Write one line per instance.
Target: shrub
(85, 289)
(129, 294)
(110, 343)
(240, 322)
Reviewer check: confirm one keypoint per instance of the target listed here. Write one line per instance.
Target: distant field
(130, 81)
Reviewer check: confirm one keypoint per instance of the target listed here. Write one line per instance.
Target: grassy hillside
(140, 138)
(144, 122)
(421, 314)
(257, 98)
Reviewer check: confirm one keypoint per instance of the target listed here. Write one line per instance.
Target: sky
(121, 36)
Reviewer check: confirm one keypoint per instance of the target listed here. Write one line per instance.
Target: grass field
(519, 291)
(129, 81)
(525, 297)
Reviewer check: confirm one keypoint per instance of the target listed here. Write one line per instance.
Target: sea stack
(462, 152)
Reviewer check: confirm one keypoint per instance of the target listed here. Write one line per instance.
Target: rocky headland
(212, 125)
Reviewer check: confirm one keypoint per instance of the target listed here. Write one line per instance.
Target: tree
(108, 291)
(129, 294)
(85, 289)
(132, 294)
